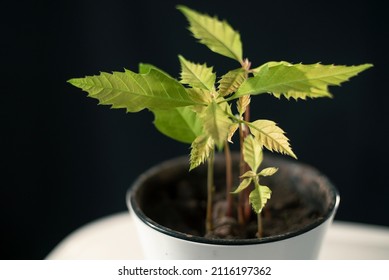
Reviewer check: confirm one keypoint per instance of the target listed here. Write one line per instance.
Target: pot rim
(133, 205)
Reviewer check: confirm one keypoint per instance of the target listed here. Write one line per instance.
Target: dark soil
(179, 204)
(187, 214)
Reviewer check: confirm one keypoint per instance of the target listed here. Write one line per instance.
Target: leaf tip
(367, 65)
(183, 9)
(293, 155)
(77, 82)
(73, 81)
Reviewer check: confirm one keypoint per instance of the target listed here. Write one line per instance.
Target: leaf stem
(228, 159)
(210, 187)
(240, 207)
(243, 168)
(247, 207)
(259, 215)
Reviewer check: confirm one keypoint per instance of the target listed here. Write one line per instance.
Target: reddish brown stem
(244, 210)
(210, 185)
(247, 207)
(259, 224)
(240, 207)
(229, 199)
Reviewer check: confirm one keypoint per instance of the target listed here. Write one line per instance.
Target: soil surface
(180, 206)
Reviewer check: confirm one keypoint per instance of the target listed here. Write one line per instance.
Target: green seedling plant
(205, 111)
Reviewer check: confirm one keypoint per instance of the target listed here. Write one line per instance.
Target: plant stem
(259, 215)
(247, 207)
(240, 207)
(259, 225)
(227, 153)
(244, 208)
(210, 186)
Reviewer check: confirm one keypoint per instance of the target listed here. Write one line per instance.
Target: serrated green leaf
(252, 153)
(230, 82)
(298, 80)
(242, 104)
(269, 171)
(248, 174)
(197, 75)
(181, 124)
(268, 134)
(217, 35)
(145, 68)
(216, 123)
(233, 129)
(258, 197)
(225, 106)
(135, 92)
(200, 95)
(243, 185)
(202, 147)
(269, 65)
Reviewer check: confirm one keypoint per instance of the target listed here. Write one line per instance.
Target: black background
(66, 161)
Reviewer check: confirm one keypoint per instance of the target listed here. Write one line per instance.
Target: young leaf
(269, 171)
(268, 134)
(135, 92)
(242, 104)
(145, 68)
(248, 174)
(230, 82)
(197, 75)
(215, 34)
(200, 95)
(298, 80)
(233, 129)
(181, 123)
(252, 153)
(216, 123)
(243, 185)
(258, 197)
(202, 146)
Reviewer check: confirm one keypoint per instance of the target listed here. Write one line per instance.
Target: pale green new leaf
(197, 75)
(252, 153)
(216, 123)
(269, 171)
(298, 80)
(202, 147)
(233, 129)
(258, 197)
(230, 82)
(217, 35)
(135, 92)
(181, 124)
(242, 104)
(200, 95)
(225, 106)
(248, 174)
(243, 185)
(268, 134)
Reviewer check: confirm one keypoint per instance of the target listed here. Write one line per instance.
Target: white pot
(161, 242)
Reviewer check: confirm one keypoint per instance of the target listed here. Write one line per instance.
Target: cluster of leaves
(198, 107)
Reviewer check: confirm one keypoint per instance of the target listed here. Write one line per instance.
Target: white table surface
(114, 237)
